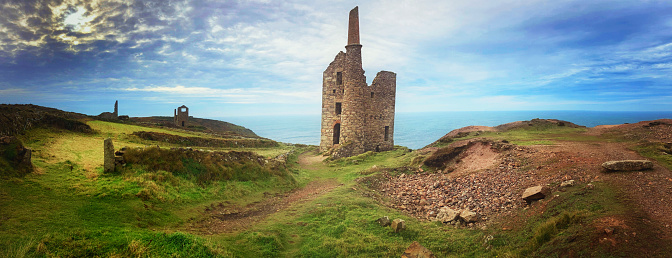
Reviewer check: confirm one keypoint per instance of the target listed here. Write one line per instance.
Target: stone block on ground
(398, 225)
(567, 183)
(468, 216)
(416, 250)
(446, 215)
(627, 165)
(384, 221)
(536, 193)
(108, 158)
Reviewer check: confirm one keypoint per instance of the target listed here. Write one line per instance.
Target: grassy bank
(69, 208)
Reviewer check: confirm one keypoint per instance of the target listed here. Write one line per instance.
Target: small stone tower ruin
(113, 115)
(116, 109)
(356, 117)
(181, 116)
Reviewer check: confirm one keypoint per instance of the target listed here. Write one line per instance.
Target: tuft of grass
(657, 151)
(553, 226)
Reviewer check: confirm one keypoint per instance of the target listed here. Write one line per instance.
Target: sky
(261, 57)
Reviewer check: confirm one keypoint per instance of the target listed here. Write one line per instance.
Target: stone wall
(366, 118)
(181, 116)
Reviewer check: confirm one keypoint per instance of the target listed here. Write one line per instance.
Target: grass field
(69, 208)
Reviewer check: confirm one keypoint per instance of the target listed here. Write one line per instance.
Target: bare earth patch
(310, 161)
(226, 218)
(478, 157)
(491, 183)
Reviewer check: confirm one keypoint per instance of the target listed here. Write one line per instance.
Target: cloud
(443, 52)
(236, 95)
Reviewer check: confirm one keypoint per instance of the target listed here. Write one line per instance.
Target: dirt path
(227, 218)
(311, 162)
(650, 190)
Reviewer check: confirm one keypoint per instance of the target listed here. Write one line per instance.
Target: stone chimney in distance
(353, 27)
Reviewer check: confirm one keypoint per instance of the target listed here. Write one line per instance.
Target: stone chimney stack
(116, 109)
(353, 27)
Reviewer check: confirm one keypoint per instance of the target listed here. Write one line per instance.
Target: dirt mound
(469, 155)
(16, 119)
(206, 142)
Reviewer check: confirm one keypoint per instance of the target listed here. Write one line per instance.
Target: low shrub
(204, 167)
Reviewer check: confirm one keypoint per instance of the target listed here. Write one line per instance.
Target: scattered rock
(468, 216)
(535, 193)
(108, 160)
(590, 186)
(398, 225)
(416, 250)
(447, 215)
(608, 231)
(567, 183)
(384, 221)
(627, 165)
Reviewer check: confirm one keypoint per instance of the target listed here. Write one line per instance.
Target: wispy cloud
(447, 54)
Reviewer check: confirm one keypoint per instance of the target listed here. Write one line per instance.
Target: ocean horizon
(416, 130)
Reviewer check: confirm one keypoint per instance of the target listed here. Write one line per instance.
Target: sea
(416, 130)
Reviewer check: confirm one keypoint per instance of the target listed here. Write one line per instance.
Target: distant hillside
(200, 124)
(15, 119)
(534, 124)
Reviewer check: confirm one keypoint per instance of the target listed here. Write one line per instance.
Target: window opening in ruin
(338, 108)
(182, 123)
(337, 133)
(339, 78)
(334, 91)
(387, 133)
(371, 94)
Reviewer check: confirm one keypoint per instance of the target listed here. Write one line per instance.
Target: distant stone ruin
(181, 116)
(356, 117)
(111, 116)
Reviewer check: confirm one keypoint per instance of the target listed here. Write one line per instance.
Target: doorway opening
(337, 133)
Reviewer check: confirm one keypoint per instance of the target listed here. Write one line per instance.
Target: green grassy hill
(282, 200)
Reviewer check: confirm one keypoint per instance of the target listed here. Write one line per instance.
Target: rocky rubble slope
(492, 190)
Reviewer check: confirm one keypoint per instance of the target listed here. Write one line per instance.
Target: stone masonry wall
(181, 116)
(366, 111)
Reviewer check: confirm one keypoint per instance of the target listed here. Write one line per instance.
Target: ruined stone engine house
(181, 116)
(356, 117)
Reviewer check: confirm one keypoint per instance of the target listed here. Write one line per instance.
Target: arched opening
(183, 123)
(337, 133)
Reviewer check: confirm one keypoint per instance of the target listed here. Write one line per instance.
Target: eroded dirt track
(227, 218)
